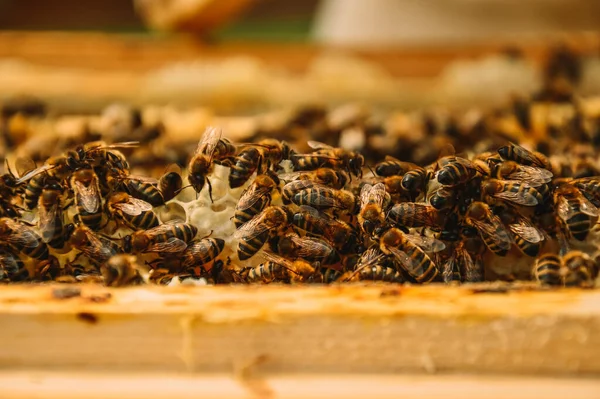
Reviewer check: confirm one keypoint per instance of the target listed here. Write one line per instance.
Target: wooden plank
(345, 329)
(49, 385)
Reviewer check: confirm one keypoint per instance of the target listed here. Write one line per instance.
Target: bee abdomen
(547, 270)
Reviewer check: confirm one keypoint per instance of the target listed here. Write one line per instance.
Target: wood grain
(346, 329)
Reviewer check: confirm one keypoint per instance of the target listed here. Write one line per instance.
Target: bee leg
(209, 191)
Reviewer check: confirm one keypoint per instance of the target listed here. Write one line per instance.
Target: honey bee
(339, 233)
(409, 252)
(12, 267)
(323, 197)
(313, 249)
(55, 168)
(513, 192)
(98, 249)
(248, 161)
(373, 202)
(415, 214)
(274, 151)
(489, 227)
(575, 210)
(210, 148)
(122, 270)
(465, 262)
(391, 166)
(514, 152)
(170, 182)
(140, 187)
(300, 270)
(255, 198)
(590, 187)
(266, 273)
(84, 183)
(50, 212)
(547, 270)
(528, 238)
(202, 253)
(579, 270)
(329, 157)
(532, 175)
(459, 171)
(22, 238)
(373, 265)
(415, 180)
(334, 178)
(132, 212)
(165, 238)
(254, 234)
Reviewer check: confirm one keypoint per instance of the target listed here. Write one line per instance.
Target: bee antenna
(181, 189)
(371, 169)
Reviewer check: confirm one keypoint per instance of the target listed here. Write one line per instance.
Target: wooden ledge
(338, 329)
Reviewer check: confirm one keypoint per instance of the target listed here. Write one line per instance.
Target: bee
(12, 267)
(50, 212)
(248, 161)
(334, 178)
(22, 238)
(84, 183)
(267, 272)
(489, 227)
(299, 270)
(165, 238)
(466, 261)
(574, 210)
(313, 249)
(274, 151)
(409, 252)
(528, 238)
(329, 157)
(532, 175)
(98, 249)
(442, 198)
(373, 202)
(132, 212)
(99, 153)
(330, 275)
(211, 147)
(459, 171)
(140, 187)
(373, 265)
(590, 187)
(255, 198)
(415, 214)
(514, 152)
(547, 270)
(170, 182)
(55, 168)
(513, 192)
(415, 180)
(202, 253)
(391, 166)
(339, 233)
(122, 270)
(579, 269)
(254, 234)
(323, 197)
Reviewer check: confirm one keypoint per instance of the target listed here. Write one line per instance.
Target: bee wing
(402, 257)
(521, 197)
(251, 195)
(527, 231)
(448, 267)
(24, 166)
(534, 176)
(271, 257)
(47, 221)
(34, 172)
(469, 164)
(22, 235)
(133, 206)
(122, 144)
(312, 247)
(253, 228)
(587, 207)
(208, 142)
(375, 194)
(427, 244)
(171, 245)
(141, 179)
(317, 145)
(495, 230)
(88, 196)
(370, 257)
(288, 177)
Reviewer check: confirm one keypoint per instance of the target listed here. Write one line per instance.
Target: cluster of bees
(321, 216)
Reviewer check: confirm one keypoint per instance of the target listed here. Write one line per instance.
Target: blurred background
(248, 55)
